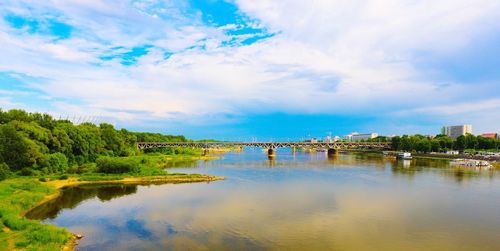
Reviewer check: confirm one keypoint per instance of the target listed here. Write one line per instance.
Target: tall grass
(17, 196)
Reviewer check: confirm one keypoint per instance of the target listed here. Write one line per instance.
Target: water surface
(294, 202)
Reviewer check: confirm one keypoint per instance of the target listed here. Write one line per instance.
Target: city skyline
(242, 69)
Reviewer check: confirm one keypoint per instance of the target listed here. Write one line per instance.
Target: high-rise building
(457, 131)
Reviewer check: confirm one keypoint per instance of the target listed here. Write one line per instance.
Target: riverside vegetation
(39, 155)
(440, 143)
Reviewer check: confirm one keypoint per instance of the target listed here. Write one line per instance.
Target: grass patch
(17, 196)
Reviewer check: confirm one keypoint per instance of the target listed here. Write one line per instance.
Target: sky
(255, 69)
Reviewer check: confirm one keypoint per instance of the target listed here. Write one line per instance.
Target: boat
(387, 154)
(404, 155)
(482, 164)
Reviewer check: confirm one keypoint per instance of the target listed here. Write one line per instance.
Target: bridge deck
(268, 145)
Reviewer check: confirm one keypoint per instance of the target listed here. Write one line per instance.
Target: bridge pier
(294, 149)
(333, 152)
(271, 152)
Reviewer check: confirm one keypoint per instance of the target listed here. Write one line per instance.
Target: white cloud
(327, 57)
(65, 53)
(490, 105)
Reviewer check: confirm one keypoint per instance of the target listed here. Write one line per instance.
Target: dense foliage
(114, 165)
(33, 143)
(441, 143)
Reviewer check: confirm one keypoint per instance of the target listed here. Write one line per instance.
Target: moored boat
(404, 155)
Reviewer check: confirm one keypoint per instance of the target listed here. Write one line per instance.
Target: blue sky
(253, 68)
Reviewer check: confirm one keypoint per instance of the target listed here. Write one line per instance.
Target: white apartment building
(360, 136)
(457, 131)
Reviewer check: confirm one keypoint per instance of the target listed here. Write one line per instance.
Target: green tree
(396, 143)
(445, 142)
(435, 145)
(112, 139)
(423, 145)
(55, 163)
(471, 141)
(486, 143)
(17, 151)
(4, 171)
(460, 143)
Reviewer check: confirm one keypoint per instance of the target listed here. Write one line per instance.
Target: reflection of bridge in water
(332, 147)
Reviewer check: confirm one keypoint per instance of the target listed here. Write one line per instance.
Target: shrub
(86, 168)
(4, 171)
(28, 172)
(116, 165)
(55, 163)
(42, 179)
(63, 177)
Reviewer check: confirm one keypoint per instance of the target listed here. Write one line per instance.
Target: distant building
(348, 137)
(490, 135)
(457, 131)
(360, 136)
(336, 138)
(313, 140)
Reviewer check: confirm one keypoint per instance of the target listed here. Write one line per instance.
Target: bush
(84, 168)
(4, 171)
(42, 179)
(28, 172)
(63, 177)
(55, 163)
(115, 165)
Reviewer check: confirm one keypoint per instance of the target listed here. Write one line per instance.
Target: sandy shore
(168, 179)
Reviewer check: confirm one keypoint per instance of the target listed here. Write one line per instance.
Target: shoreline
(132, 180)
(428, 155)
(142, 180)
(53, 190)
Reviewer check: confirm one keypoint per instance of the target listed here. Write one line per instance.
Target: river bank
(428, 155)
(20, 195)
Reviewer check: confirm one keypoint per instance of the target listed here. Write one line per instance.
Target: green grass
(153, 164)
(16, 196)
(19, 194)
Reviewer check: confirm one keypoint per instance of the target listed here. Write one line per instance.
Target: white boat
(404, 155)
(483, 164)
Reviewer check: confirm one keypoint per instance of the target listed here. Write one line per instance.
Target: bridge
(332, 147)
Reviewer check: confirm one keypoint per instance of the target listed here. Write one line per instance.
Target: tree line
(38, 143)
(441, 143)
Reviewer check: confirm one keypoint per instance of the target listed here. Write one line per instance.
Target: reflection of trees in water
(461, 174)
(73, 196)
(405, 167)
(441, 166)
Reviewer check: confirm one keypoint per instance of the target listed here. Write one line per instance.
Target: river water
(294, 202)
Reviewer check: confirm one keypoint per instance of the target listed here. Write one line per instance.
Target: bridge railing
(382, 145)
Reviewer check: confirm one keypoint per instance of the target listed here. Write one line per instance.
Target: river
(305, 201)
